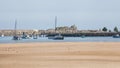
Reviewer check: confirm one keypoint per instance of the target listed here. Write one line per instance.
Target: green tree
(116, 29)
(104, 29)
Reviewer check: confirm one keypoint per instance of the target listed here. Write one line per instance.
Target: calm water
(66, 39)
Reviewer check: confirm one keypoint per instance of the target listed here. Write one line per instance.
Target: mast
(55, 23)
(15, 27)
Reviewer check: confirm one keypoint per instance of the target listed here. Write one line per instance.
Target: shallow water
(66, 39)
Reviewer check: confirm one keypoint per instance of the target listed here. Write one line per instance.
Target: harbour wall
(48, 33)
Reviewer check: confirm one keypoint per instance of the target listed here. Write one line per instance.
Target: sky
(40, 14)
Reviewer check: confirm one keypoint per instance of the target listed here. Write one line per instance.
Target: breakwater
(52, 33)
(84, 34)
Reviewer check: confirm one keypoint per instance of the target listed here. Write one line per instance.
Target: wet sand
(60, 55)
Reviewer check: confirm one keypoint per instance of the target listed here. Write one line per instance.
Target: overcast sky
(40, 14)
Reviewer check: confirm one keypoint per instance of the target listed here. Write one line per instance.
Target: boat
(116, 36)
(35, 36)
(58, 36)
(83, 36)
(25, 36)
(16, 37)
(2, 35)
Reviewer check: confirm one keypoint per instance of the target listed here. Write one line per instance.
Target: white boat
(58, 37)
(2, 35)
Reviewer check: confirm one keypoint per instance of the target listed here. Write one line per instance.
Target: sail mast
(55, 23)
(15, 27)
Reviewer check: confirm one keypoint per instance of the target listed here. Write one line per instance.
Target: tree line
(106, 29)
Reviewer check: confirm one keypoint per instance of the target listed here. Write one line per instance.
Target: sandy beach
(60, 55)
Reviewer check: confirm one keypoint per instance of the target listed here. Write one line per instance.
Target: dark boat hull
(116, 36)
(16, 38)
(58, 38)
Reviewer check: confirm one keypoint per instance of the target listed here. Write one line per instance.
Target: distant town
(68, 31)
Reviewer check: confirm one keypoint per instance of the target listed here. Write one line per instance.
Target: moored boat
(58, 36)
(116, 36)
(83, 36)
(16, 37)
(2, 35)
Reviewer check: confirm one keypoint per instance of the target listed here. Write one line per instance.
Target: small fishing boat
(16, 38)
(25, 36)
(35, 36)
(58, 37)
(116, 36)
(2, 35)
(83, 36)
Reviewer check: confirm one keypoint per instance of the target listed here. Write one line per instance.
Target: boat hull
(116, 36)
(58, 38)
(16, 38)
